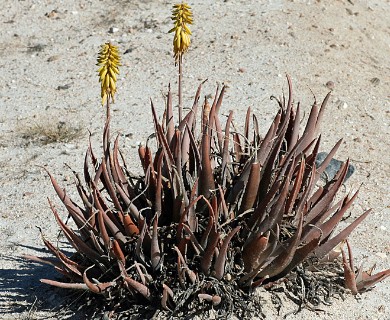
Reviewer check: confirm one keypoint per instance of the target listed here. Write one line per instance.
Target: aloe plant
(215, 214)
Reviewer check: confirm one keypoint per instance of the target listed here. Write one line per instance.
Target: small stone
(53, 58)
(52, 14)
(330, 85)
(64, 87)
(228, 277)
(113, 30)
(241, 70)
(375, 81)
(70, 146)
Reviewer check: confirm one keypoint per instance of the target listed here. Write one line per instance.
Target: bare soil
(49, 91)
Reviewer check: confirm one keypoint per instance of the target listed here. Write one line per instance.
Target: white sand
(249, 45)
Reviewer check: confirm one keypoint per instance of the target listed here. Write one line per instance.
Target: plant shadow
(24, 295)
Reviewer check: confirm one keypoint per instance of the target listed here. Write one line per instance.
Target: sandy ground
(49, 91)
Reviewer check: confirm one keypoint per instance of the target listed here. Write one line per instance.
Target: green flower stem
(180, 87)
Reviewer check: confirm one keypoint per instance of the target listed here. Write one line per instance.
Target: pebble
(113, 30)
(63, 87)
(53, 58)
(52, 14)
(375, 81)
(330, 85)
(70, 146)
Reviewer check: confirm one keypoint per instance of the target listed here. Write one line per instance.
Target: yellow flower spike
(108, 60)
(182, 17)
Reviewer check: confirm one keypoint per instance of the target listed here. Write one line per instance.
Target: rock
(113, 30)
(330, 85)
(64, 87)
(53, 58)
(333, 167)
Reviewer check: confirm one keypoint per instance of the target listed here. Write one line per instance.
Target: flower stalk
(182, 17)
